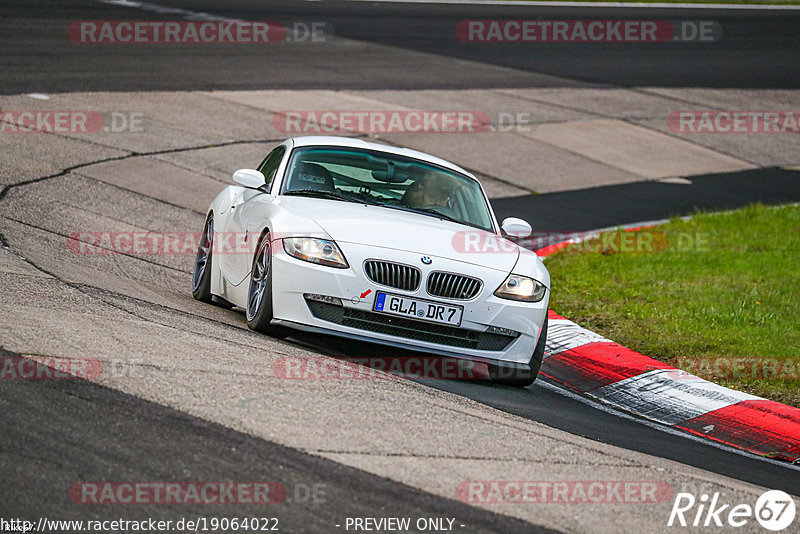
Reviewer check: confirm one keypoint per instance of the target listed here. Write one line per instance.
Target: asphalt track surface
(50, 446)
(614, 205)
(35, 57)
(168, 444)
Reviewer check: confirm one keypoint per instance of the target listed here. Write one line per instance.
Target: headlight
(522, 288)
(316, 251)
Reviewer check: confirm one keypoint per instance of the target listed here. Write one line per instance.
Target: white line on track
(156, 8)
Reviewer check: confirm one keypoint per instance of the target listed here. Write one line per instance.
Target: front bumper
(294, 280)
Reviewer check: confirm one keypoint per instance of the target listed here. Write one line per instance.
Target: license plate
(423, 310)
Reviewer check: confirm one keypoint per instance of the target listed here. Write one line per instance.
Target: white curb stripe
(563, 334)
(662, 396)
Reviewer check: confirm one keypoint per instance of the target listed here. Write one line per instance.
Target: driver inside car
(430, 191)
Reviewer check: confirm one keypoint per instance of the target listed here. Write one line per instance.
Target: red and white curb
(595, 367)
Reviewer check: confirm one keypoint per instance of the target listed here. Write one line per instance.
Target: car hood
(381, 227)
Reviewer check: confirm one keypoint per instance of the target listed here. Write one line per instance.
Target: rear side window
(269, 167)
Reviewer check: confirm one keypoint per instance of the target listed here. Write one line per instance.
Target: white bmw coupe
(388, 245)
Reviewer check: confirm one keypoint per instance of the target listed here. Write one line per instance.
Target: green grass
(735, 295)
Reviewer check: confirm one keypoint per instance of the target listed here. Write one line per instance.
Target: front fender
(529, 264)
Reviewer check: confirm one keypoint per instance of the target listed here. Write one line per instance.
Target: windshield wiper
(442, 215)
(321, 194)
(425, 211)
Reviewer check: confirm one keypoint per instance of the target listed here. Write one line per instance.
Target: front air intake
(453, 286)
(392, 274)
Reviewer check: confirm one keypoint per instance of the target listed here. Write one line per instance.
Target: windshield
(371, 177)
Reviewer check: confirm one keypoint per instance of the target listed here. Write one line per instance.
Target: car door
(243, 212)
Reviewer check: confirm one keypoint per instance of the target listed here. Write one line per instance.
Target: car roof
(324, 140)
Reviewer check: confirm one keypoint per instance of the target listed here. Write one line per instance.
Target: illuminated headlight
(314, 250)
(522, 288)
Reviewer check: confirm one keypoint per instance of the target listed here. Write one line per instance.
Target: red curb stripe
(553, 315)
(760, 426)
(594, 365)
(550, 249)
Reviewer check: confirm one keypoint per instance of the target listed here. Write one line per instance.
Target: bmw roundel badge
(426, 260)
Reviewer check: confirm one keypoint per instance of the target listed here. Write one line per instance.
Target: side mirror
(516, 227)
(249, 178)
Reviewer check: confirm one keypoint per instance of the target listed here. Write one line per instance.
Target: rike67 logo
(774, 510)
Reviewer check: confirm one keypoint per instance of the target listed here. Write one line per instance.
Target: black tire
(201, 277)
(527, 376)
(259, 296)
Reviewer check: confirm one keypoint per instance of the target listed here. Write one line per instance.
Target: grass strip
(717, 295)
